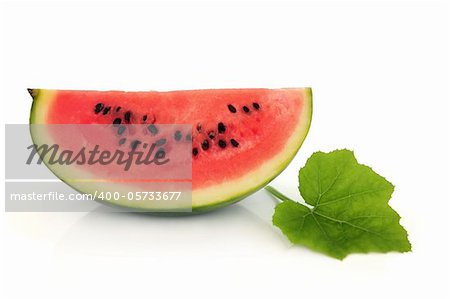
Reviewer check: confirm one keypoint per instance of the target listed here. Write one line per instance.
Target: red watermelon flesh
(241, 138)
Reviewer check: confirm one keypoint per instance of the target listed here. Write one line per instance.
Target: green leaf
(346, 208)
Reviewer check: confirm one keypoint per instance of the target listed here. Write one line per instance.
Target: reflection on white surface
(233, 230)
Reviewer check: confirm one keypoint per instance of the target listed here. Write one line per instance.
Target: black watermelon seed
(256, 106)
(221, 127)
(231, 108)
(118, 109)
(134, 144)
(205, 144)
(211, 134)
(106, 110)
(177, 135)
(127, 116)
(161, 153)
(222, 144)
(121, 130)
(246, 110)
(99, 107)
(117, 122)
(144, 118)
(122, 141)
(161, 141)
(195, 151)
(152, 129)
(199, 127)
(234, 142)
(188, 137)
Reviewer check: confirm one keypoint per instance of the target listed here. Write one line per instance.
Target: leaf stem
(277, 193)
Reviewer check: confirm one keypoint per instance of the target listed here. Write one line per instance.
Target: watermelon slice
(241, 138)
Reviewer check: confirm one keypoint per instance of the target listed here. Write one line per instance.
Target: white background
(380, 76)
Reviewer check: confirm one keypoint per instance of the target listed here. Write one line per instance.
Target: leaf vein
(349, 223)
(349, 196)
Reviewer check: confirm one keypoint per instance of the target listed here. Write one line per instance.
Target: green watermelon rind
(214, 205)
